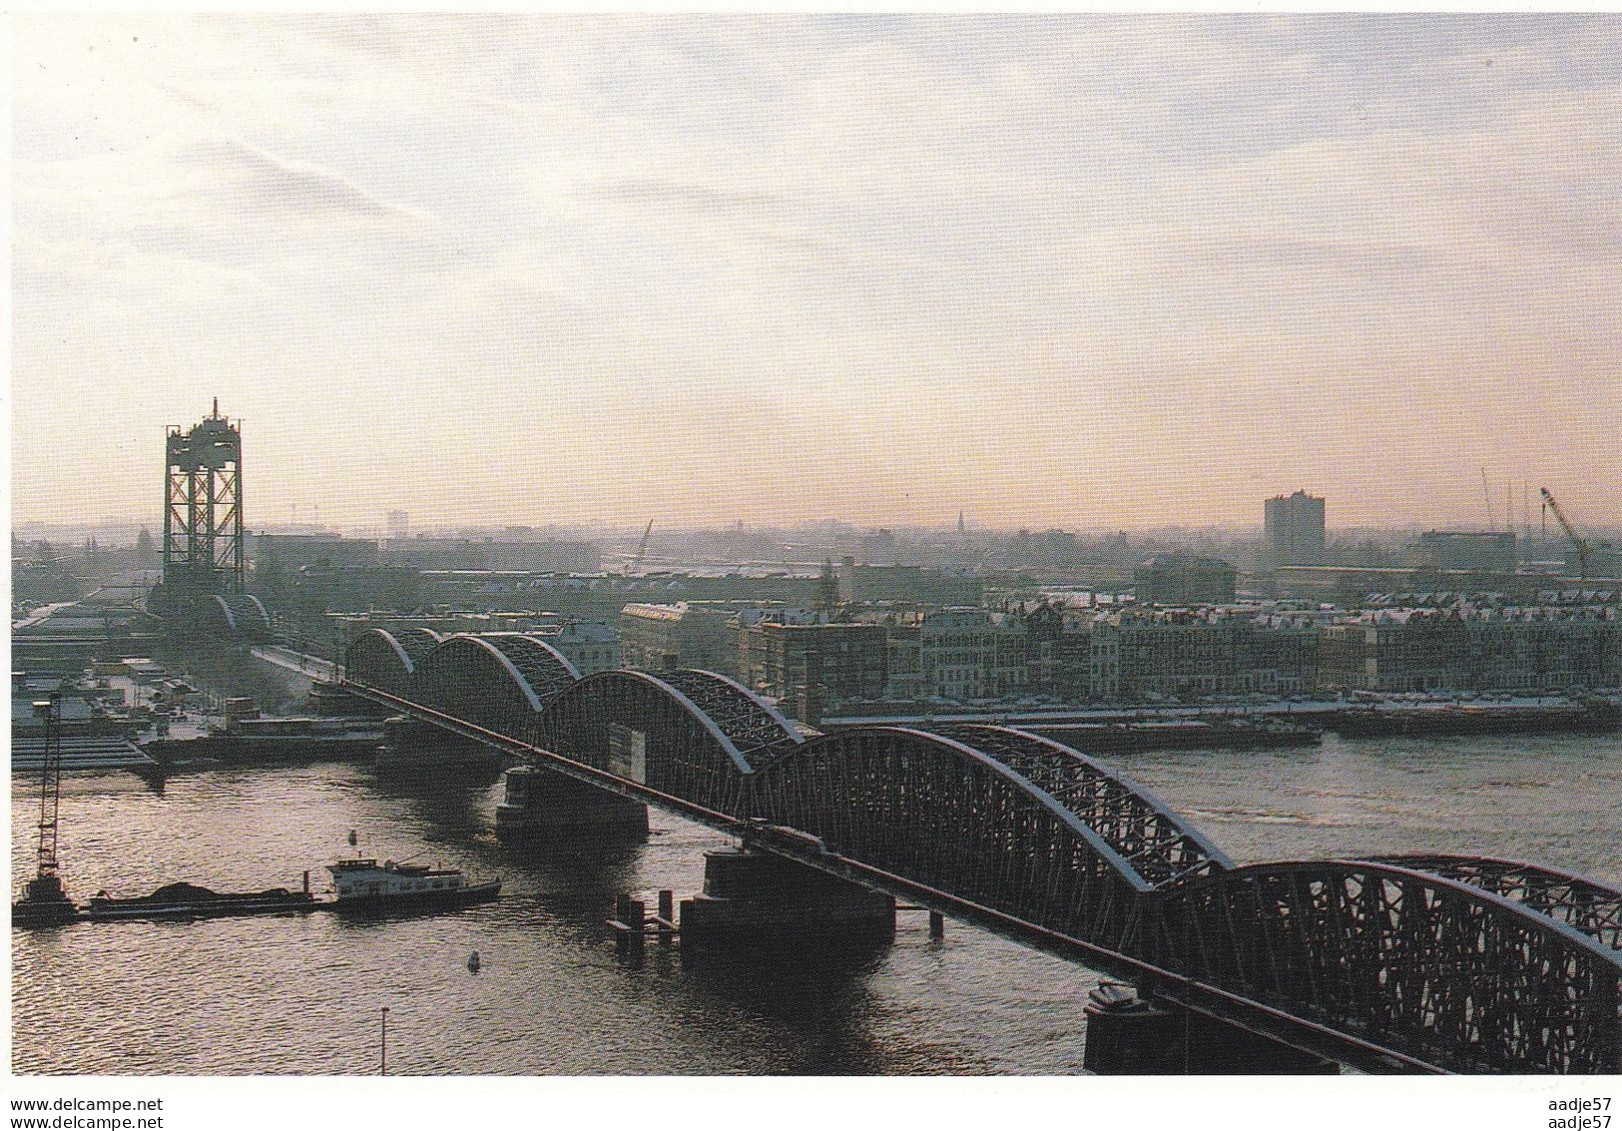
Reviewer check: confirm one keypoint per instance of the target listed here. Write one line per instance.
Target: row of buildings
(1127, 653)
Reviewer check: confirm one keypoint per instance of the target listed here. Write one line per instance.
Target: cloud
(1056, 246)
(261, 181)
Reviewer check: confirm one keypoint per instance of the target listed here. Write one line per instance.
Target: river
(304, 994)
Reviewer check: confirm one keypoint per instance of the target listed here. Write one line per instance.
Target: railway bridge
(1447, 964)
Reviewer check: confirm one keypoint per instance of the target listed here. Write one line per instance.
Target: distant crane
(634, 566)
(1577, 540)
(1486, 493)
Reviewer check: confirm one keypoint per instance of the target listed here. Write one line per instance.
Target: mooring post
(937, 925)
(667, 916)
(622, 923)
(636, 918)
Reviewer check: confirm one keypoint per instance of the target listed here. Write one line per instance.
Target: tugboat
(44, 903)
(366, 885)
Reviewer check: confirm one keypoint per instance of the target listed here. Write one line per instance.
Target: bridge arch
(1444, 971)
(757, 730)
(545, 670)
(1587, 905)
(649, 729)
(941, 812)
(385, 660)
(1160, 847)
(487, 681)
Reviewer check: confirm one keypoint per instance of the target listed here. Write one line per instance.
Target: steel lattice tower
(202, 516)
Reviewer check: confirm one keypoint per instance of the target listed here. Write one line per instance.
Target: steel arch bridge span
(687, 734)
(944, 815)
(385, 660)
(1160, 848)
(1444, 971)
(498, 681)
(1591, 907)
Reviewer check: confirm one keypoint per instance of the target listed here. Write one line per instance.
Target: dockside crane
(45, 900)
(633, 568)
(1577, 540)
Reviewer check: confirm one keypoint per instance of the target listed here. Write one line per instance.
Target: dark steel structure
(202, 511)
(1440, 964)
(204, 586)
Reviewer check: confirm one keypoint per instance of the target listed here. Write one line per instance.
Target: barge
(1421, 721)
(190, 901)
(1178, 734)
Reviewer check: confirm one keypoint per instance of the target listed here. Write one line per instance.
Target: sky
(1080, 272)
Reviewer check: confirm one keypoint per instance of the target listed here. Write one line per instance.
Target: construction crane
(45, 900)
(634, 566)
(1577, 540)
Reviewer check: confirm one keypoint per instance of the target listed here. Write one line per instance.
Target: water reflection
(302, 994)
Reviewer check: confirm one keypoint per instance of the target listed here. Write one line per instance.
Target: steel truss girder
(1156, 843)
(1591, 907)
(1447, 963)
(386, 659)
(1448, 972)
(760, 733)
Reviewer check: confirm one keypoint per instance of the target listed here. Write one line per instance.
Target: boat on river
(191, 901)
(366, 885)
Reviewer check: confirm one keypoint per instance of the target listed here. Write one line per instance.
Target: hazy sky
(1053, 271)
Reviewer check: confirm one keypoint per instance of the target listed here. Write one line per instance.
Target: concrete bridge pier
(1129, 1034)
(409, 744)
(754, 898)
(545, 804)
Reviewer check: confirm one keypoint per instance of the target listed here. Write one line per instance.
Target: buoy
(352, 838)
(473, 962)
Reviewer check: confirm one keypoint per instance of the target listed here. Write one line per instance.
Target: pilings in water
(632, 924)
(1133, 1035)
(543, 804)
(757, 899)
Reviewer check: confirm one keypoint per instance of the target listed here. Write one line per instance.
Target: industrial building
(1488, 550)
(1181, 578)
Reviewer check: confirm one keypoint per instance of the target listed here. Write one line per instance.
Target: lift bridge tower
(204, 585)
(202, 513)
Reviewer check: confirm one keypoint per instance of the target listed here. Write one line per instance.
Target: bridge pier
(1132, 1035)
(409, 744)
(545, 804)
(754, 898)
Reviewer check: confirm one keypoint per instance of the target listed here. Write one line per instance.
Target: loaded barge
(362, 886)
(1379, 721)
(189, 901)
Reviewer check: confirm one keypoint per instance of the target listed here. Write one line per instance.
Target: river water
(303, 994)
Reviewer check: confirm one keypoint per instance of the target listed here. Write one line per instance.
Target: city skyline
(1061, 272)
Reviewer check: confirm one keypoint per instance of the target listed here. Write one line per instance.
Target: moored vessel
(366, 885)
(191, 901)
